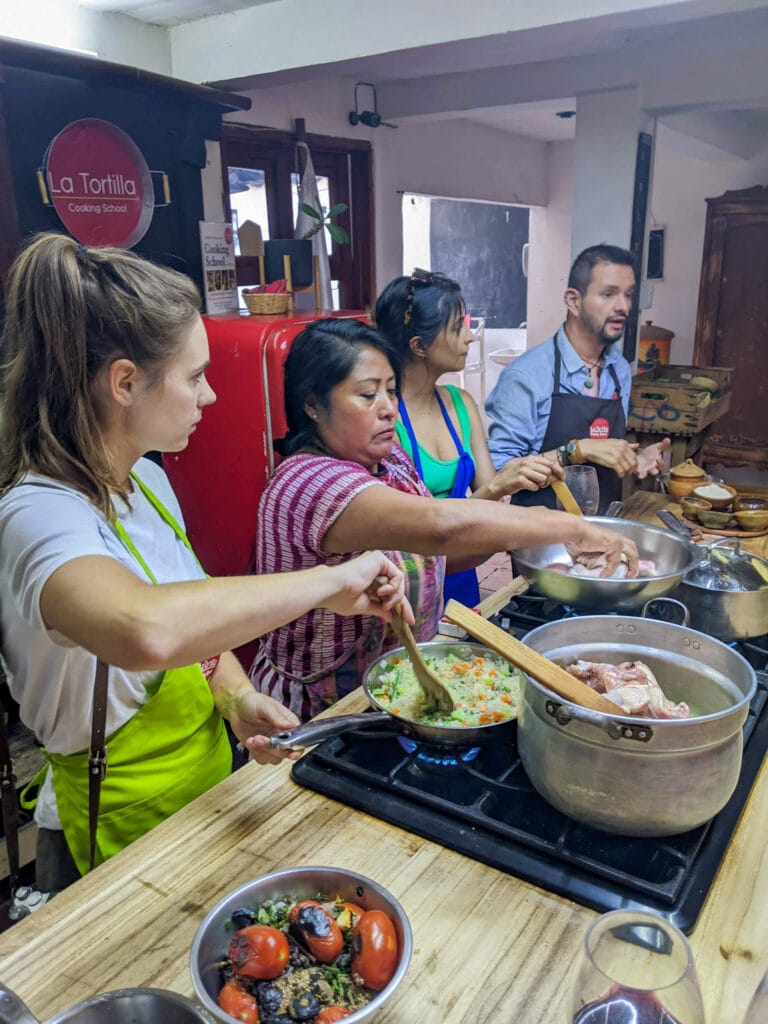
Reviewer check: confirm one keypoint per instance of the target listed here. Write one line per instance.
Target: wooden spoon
(434, 689)
(531, 662)
(565, 497)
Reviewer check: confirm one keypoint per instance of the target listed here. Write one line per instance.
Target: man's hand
(650, 460)
(613, 452)
(530, 473)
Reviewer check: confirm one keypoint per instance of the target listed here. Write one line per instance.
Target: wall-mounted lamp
(371, 118)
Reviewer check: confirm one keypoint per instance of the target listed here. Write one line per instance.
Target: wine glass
(757, 1011)
(635, 968)
(583, 485)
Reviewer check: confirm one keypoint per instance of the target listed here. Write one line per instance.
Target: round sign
(99, 184)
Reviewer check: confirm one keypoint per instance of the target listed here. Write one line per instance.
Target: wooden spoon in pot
(434, 690)
(531, 662)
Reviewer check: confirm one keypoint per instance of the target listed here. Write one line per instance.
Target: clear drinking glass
(583, 485)
(635, 968)
(757, 1011)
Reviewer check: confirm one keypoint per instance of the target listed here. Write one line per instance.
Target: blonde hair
(71, 310)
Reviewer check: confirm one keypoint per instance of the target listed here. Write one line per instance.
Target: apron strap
(97, 755)
(465, 471)
(616, 385)
(415, 456)
(11, 819)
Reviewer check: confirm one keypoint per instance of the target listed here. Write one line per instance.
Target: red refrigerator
(219, 477)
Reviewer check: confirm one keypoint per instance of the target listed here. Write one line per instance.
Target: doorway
(483, 246)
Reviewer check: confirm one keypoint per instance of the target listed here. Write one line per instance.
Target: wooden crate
(663, 400)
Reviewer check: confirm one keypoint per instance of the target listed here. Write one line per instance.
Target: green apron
(173, 749)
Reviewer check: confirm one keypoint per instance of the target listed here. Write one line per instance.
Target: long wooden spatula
(565, 496)
(531, 662)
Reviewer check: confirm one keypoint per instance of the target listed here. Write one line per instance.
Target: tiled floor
(494, 573)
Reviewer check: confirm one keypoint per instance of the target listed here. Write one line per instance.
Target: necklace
(597, 365)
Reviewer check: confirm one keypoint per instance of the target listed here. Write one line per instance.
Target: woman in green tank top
(424, 317)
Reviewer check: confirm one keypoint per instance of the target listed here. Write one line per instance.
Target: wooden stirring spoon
(531, 662)
(434, 689)
(565, 497)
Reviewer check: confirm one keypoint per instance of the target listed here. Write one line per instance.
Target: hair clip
(81, 254)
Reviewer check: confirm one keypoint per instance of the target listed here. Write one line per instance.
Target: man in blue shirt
(568, 397)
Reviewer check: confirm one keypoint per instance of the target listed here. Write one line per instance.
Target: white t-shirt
(43, 525)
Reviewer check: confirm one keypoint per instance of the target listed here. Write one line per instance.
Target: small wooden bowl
(752, 519)
(718, 504)
(750, 502)
(714, 520)
(691, 505)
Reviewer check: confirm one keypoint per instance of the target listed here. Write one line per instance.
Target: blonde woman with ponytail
(104, 359)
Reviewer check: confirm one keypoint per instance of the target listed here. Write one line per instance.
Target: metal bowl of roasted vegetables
(306, 944)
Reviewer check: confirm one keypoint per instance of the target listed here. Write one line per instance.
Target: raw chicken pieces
(593, 567)
(632, 686)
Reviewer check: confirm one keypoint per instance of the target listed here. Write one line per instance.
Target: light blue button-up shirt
(520, 404)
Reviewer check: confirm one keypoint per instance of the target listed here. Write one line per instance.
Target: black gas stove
(484, 806)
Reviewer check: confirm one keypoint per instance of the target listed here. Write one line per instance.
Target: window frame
(274, 152)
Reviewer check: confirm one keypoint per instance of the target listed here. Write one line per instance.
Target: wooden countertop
(488, 948)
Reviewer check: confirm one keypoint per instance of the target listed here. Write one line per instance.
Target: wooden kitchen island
(488, 948)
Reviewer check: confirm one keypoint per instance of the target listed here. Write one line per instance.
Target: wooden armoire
(732, 322)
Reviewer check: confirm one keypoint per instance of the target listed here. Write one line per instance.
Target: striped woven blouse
(299, 505)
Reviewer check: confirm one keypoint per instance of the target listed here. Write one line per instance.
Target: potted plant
(325, 220)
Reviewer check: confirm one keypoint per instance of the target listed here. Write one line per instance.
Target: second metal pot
(630, 775)
(673, 557)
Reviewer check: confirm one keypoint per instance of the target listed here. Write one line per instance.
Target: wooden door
(732, 322)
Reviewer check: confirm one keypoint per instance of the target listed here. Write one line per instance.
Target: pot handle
(616, 730)
(311, 733)
(671, 602)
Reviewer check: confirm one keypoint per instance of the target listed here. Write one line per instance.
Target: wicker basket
(267, 302)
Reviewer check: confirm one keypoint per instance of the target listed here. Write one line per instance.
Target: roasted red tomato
(234, 1000)
(374, 949)
(259, 952)
(317, 929)
(330, 1014)
(348, 916)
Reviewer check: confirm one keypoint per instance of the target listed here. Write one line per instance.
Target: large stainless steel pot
(673, 557)
(630, 775)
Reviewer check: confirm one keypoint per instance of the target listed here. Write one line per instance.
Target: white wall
(550, 253)
(682, 181)
(458, 159)
(69, 26)
(685, 174)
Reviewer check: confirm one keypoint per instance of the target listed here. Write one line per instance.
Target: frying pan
(310, 733)
(673, 557)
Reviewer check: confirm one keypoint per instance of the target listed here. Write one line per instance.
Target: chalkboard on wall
(480, 245)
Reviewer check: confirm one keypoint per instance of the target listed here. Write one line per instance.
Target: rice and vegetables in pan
(485, 690)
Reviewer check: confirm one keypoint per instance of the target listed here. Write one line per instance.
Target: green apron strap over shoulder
(173, 749)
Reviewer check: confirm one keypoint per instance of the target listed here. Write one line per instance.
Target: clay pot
(684, 477)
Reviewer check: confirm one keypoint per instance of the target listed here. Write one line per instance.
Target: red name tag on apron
(599, 429)
(209, 666)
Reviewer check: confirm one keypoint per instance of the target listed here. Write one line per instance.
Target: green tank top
(439, 476)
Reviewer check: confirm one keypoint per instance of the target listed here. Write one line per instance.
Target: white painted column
(607, 127)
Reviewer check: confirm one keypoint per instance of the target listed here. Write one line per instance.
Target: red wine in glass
(625, 1006)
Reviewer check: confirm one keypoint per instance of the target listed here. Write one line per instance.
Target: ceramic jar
(684, 477)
